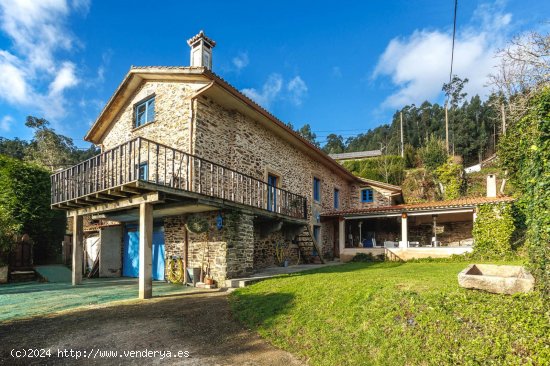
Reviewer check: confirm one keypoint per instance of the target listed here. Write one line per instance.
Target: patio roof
(457, 204)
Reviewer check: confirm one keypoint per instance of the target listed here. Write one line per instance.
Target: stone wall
(265, 249)
(380, 197)
(228, 251)
(241, 143)
(172, 116)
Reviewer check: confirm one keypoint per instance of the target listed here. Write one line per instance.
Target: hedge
(25, 199)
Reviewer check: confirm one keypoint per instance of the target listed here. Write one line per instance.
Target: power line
(453, 46)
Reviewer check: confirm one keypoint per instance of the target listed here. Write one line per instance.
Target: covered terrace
(406, 231)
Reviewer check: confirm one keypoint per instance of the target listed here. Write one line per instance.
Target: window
(143, 171)
(366, 195)
(336, 198)
(145, 112)
(316, 189)
(271, 192)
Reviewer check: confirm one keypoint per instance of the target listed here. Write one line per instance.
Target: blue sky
(340, 66)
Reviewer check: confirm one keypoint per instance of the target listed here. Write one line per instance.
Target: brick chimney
(491, 185)
(201, 50)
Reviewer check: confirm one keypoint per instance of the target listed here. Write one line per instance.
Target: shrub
(25, 206)
(433, 154)
(493, 230)
(387, 168)
(451, 176)
(367, 257)
(525, 152)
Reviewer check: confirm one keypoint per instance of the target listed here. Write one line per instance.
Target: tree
(334, 145)
(433, 154)
(48, 148)
(15, 148)
(307, 134)
(453, 91)
(409, 156)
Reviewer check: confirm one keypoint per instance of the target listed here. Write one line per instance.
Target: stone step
(22, 276)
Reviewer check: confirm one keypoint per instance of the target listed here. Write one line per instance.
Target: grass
(395, 314)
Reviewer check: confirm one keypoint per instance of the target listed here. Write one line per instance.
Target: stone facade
(228, 252)
(237, 141)
(265, 249)
(172, 116)
(381, 197)
(241, 143)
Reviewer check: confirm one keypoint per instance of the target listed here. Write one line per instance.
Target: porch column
(145, 251)
(78, 238)
(404, 231)
(341, 234)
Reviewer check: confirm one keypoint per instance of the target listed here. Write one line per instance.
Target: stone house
(181, 141)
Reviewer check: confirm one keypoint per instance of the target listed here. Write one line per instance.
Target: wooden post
(342, 235)
(78, 237)
(404, 243)
(145, 251)
(185, 255)
(402, 143)
(446, 128)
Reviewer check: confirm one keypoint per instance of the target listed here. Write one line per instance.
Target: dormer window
(367, 195)
(145, 112)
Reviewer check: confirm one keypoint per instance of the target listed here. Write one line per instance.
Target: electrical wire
(453, 46)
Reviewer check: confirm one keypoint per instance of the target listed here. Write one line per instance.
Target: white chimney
(201, 50)
(491, 185)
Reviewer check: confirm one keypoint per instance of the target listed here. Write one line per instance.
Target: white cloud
(418, 64)
(297, 89)
(275, 88)
(31, 75)
(64, 79)
(240, 61)
(5, 123)
(270, 90)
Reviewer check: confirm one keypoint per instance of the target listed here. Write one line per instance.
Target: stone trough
(496, 279)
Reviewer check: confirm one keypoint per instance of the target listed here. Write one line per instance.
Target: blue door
(130, 258)
(271, 192)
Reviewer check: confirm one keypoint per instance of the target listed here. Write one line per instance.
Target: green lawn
(395, 314)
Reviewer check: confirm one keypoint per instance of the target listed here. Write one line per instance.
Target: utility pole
(503, 118)
(447, 127)
(402, 144)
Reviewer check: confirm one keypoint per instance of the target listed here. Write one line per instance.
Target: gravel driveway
(198, 323)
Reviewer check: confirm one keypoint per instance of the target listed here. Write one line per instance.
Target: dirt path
(200, 324)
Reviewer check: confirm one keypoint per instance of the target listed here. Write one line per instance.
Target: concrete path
(273, 272)
(22, 300)
(54, 273)
(129, 333)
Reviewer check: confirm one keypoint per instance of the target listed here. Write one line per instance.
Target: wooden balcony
(141, 166)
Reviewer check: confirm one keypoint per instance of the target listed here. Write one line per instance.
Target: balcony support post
(145, 251)
(78, 236)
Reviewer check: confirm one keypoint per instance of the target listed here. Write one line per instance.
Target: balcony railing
(147, 161)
